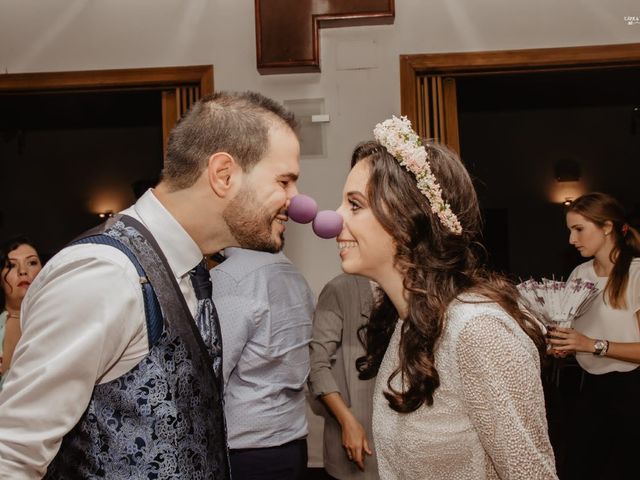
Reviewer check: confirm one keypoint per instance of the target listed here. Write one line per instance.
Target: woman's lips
(24, 284)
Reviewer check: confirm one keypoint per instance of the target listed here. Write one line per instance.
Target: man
(94, 389)
(265, 308)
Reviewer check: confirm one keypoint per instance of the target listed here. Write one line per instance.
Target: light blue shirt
(265, 308)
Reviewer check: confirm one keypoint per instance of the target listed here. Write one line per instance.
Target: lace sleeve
(500, 374)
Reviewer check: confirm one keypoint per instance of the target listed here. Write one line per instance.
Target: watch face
(599, 345)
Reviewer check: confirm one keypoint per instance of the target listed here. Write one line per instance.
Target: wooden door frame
(201, 75)
(507, 61)
(165, 79)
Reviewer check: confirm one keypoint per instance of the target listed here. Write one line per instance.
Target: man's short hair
(235, 123)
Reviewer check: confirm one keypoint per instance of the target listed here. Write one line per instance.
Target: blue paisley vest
(164, 418)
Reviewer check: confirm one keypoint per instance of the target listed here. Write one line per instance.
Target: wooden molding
(507, 61)
(287, 31)
(190, 82)
(199, 75)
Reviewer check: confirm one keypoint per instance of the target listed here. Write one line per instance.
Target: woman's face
(587, 237)
(23, 264)
(365, 247)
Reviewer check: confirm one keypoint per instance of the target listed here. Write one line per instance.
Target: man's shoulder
(242, 263)
(85, 257)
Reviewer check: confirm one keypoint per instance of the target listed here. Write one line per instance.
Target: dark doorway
(67, 157)
(536, 140)
(74, 145)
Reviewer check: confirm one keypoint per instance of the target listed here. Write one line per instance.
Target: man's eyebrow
(290, 176)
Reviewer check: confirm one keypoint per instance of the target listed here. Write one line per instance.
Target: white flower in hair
(397, 136)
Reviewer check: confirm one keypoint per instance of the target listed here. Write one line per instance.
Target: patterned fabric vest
(164, 418)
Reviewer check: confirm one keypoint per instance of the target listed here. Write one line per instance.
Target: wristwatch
(601, 347)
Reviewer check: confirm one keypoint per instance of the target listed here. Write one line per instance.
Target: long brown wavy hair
(600, 208)
(438, 266)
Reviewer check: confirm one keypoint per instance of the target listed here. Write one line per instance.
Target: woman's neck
(393, 286)
(603, 265)
(12, 307)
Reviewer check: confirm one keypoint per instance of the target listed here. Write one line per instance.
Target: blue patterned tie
(207, 317)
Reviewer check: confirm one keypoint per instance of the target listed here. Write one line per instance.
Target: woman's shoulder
(477, 322)
(584, 270)
(471, 307)
(634, 273)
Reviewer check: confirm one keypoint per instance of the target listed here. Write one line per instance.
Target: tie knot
(201, 281)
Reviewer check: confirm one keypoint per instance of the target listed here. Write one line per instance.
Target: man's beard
(251, 224)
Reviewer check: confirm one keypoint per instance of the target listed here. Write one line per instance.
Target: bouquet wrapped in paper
(558, 303)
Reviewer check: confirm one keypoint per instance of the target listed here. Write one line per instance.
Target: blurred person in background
(20, 264)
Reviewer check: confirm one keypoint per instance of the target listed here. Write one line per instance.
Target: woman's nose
(340, 211)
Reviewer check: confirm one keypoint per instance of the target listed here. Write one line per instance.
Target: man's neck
(188, 207)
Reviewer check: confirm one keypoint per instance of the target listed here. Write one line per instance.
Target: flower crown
(397, 136)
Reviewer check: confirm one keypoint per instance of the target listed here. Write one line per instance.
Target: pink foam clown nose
(327, 224)
(302, 209)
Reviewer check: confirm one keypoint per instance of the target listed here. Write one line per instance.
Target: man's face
(256, 215)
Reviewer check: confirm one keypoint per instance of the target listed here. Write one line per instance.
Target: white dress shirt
(265, 308)
(83, 323)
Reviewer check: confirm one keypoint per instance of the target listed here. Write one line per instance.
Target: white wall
(60, 35)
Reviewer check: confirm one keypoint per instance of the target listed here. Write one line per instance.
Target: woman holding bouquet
(606, 341)
(458, 392)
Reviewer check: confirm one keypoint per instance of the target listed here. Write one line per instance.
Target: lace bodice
(488, 418)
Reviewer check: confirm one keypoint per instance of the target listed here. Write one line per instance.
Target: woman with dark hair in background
(458, 391)
(606, 341)
(19, 263)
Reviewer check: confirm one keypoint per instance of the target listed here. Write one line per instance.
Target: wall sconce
(107, 214)
(568, 185)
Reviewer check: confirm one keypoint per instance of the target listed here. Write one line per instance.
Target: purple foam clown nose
(327, 224)
(302, 209)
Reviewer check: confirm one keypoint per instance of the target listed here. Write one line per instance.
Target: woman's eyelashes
(354, 205)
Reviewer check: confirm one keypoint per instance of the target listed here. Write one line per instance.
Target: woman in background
(458, 393)
(20, 263)
(343, 308)
(606, 341)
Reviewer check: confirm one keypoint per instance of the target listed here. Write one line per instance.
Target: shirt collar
(179, 248)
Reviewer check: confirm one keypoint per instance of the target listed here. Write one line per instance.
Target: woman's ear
(221, 170)
(607, 227)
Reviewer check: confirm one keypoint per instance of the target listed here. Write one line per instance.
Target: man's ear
(221, 170)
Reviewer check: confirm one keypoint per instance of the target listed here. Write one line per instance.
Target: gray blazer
(343, 306)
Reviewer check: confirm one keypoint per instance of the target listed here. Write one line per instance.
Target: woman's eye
(353, 206)
(34, 263)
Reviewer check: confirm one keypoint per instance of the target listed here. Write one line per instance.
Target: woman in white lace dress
(458, 392)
